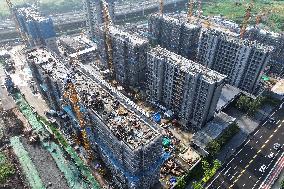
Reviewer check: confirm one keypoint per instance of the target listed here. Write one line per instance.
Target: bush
(216, 145)
(282, 184)
(6, 169)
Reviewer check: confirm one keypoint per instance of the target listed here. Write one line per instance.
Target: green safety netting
(74, 171)
(26, 164)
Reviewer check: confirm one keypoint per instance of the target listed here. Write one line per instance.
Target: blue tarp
(157, 117)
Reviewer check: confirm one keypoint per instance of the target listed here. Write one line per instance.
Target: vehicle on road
(271, 155)
(262, 168)
(276, 146)
(272, 120)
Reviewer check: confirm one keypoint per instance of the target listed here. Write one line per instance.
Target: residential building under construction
(242, 61)
(94, 15)
(38, 29)
(129, 56)
(174, 34)
(127, 141)
(189, 89)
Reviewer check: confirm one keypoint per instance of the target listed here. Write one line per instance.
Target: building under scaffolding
(38, 29)
(242, 61)
(129, 56)
(126, 139)
(175, 35)
(187, 88)
(94, 15)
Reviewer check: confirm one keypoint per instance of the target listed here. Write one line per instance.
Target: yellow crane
(246, 20)
(17, 24)
(70, 94)
(108, 41)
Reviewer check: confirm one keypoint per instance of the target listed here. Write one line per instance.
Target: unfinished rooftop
(119, 117)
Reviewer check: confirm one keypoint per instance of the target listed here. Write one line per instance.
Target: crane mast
(190, 10)
(246, 20)
(17, 24)
(161, 7)
(108, 41)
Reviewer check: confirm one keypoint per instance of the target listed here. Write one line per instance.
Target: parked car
(262, 168)
(271, 155)
(276, 146)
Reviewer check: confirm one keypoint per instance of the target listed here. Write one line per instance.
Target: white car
(262, 168)
(271, 155)
(276, 146)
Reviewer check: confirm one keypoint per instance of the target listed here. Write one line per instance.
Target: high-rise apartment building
(38, 29)
(242, 61)
(129, 54)
(189, 89)
(94, 15)
(175, 35)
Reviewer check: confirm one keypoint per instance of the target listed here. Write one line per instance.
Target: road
(242, 169)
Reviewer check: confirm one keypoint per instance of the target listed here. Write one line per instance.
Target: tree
(197, 185)
(282, 184)
(213, 147)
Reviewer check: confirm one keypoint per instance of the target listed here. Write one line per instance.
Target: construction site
(120, 108)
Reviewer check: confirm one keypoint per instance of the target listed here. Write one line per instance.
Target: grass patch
(236, 11)
(6, 168)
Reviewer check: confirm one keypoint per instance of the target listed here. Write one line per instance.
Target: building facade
(129, 54)
(127, 141)
(189, 89)
(175, 35)
(94, 15)
(242, 61)
(38, 29)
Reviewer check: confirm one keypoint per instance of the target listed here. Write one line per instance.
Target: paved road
(242, 169)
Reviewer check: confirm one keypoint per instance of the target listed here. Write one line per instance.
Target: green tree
(282, 184)
(213, 147)
(197, 185)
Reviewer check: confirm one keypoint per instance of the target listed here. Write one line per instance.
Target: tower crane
(246, 20)
(108, 41)
(17, 24)
(190, 10)
(161, 7)
(70, 94)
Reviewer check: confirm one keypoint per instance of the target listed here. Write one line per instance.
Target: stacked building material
(189, 89)
(175, 35)
(242, 61)
(38, 29)
(129, 54)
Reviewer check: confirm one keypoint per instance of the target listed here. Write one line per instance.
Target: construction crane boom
(246, 20)
(108, 41)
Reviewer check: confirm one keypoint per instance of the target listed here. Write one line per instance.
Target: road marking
(260, 136)
(272, 113)
(239, 151)
(256, 141)
(227, 171)
(244, 184)
(242, 172)
(235, 167)
(256, 132)
(247, 142)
